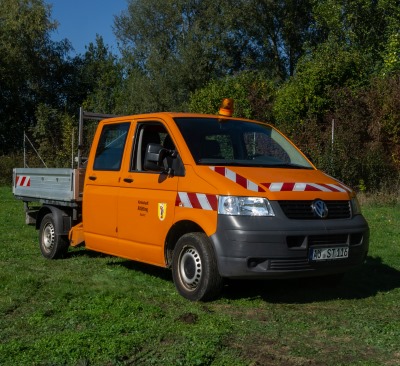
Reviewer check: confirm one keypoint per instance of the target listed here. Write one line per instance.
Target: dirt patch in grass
(266, 352)
(188, 318)
(282, 339)
(262, 351)
(395, 361)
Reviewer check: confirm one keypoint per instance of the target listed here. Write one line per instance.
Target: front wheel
(194, 268)
(52, 245)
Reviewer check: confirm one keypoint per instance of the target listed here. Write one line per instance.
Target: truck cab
(213, 197)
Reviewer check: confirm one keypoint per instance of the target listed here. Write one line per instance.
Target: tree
(93, 83)
(31, 67)
(100, 78)
(172, 48)
(391, 52)
(279, 31)
(252, 92)
(336, 80)
(53, 134)
(354, 37)
(308, 94)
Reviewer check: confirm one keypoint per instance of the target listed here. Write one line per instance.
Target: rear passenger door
(146, 202)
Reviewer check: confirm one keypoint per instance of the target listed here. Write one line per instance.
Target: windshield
(225, 142)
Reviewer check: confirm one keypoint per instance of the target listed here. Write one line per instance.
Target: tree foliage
(252, 92)
(172, 48)
(100, 78)
(308, 94)
(31, 67)
(355, 35)
(278, 32)
(358, 142)
(54, 134)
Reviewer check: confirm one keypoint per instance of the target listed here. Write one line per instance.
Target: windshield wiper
(250, 164)
(221, 163)
(289, 166)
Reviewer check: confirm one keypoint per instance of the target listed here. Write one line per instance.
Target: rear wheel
(52, 245)
(194, 268)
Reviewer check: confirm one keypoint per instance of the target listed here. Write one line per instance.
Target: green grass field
(92, 309)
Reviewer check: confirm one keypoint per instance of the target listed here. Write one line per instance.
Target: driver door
(146, 201)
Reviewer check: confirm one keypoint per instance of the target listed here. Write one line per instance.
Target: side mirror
(155, 158)
(152, 157)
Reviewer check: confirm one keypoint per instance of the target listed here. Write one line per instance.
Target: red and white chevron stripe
(197, 200)
(305, 187)
(236, 178)
(23, 181)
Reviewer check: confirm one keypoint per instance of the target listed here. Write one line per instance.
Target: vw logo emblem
(320, 209)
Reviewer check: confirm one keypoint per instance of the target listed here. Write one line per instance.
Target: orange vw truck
(209, 196)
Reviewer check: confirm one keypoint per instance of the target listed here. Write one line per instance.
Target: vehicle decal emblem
(320, 209)
(162, 211)
(237, 178)
(197, 200)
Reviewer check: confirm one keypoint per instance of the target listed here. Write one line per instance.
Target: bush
(365, 153)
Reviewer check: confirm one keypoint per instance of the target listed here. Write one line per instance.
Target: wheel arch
(62, 219)
(178, 230)
(195, 269)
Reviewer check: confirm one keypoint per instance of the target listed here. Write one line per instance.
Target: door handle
(92, 177)
(128, 180)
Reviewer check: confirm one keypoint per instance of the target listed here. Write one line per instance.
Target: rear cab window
(111, 146)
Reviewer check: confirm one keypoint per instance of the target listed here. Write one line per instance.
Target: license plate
(327, 254)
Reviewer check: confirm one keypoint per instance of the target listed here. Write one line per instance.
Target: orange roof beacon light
(226, 108)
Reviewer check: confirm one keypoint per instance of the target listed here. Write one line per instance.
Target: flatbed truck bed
(61, 186)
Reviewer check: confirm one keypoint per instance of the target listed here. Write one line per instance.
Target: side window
(149, 133)
(111, 147)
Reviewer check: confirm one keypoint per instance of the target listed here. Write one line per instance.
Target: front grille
(301, 210)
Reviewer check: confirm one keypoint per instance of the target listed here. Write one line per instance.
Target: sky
(80, 21)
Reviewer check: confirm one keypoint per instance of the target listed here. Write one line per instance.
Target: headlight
(244, 206)
(355, 206)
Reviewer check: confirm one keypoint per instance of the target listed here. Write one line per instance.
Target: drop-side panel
(58, 184)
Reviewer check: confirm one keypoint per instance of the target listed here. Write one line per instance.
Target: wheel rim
(48, 237)
(190, 268)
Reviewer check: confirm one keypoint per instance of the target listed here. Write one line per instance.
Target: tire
(52, 245)
(194, 268)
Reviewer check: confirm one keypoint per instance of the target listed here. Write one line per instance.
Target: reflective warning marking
(305, 187)
(201, 201)
(237, 178)
(23, 181)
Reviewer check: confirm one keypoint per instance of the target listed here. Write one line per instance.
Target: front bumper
(278, 247)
